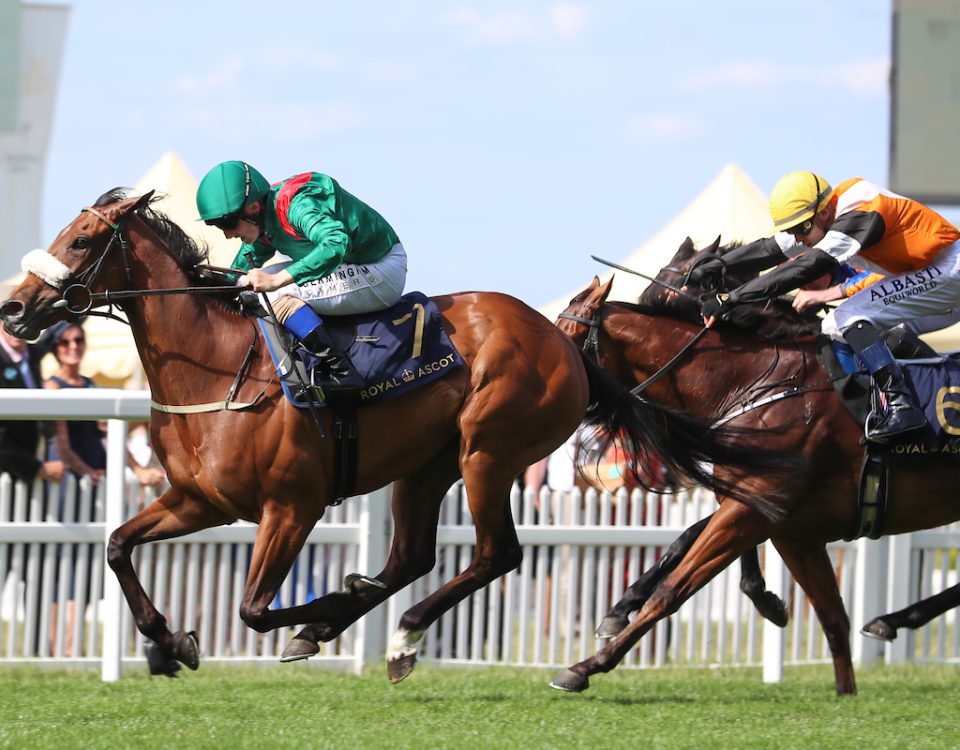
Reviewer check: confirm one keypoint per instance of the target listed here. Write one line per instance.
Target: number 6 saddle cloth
(394, 350)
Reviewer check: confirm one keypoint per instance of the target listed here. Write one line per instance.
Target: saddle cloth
(394, 350)
(936, 386)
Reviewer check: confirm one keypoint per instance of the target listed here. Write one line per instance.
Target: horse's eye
(80, 243)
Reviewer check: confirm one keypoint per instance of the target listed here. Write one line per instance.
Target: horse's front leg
(768, 604)
(171, 515)
(633, 599)
(731, 530)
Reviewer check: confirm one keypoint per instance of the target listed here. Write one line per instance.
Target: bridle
(77, 297)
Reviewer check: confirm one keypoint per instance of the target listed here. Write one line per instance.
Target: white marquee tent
(111, 357)
(731, 206)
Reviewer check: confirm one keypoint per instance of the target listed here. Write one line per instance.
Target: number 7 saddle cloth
(394, 350)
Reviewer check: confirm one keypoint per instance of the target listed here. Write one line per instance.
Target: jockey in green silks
(344, 258)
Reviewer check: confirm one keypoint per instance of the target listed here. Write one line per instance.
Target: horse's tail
(681, 442)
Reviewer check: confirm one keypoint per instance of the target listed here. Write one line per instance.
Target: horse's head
(774, 319)
(86, 256)
(582, 314)
(674, 274)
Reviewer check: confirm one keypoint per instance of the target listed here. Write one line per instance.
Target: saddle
(394, 350)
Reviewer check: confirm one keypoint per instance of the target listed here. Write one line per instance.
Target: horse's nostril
(11, 309)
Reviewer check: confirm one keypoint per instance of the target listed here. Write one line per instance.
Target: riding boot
(902, 414)
(334, 371)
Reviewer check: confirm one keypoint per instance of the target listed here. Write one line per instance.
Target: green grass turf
(299, 706)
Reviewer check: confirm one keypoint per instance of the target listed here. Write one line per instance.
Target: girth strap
(346, 431)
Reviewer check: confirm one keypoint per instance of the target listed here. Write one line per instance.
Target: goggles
(229, 221)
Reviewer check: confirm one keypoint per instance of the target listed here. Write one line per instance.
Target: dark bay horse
(734, 372)
(524, 388)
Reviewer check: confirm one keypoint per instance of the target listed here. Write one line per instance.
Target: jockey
(914, 248)
(344, 258)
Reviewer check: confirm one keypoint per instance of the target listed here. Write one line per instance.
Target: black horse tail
(682, 442)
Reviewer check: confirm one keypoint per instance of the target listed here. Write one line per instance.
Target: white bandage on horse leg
(43, 265)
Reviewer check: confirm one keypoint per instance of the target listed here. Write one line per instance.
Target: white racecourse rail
(580, 553)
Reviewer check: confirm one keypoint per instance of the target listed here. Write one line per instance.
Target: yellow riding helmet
(796, 198)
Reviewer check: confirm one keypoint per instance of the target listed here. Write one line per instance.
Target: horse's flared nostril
(11, 310)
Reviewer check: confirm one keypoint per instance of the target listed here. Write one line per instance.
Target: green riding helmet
(227, 188)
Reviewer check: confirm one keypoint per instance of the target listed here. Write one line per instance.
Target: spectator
(20, 439)
(80, 444)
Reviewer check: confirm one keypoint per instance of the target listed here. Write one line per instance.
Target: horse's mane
(775, 319)
(187, 251)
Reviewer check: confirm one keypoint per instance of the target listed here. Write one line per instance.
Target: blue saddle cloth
(394, 350)
(936, 386)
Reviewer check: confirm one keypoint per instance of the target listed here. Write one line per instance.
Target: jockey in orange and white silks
(344, 258)
(913, 247)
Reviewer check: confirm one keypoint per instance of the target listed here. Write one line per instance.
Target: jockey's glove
(707, 274)
(717, 305)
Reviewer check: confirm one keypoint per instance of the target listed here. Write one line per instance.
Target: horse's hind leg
(171, 515)
(812, 569)
(916, 615)
(415, 505)
(733, 528)
(497, 551)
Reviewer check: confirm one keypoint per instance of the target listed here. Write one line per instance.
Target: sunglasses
(802, 228)
(229, 221)
(66, 342)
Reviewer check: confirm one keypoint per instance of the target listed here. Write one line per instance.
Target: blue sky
(505, 142)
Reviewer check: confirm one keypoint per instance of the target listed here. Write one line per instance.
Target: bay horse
(760, 370)
(523, 389)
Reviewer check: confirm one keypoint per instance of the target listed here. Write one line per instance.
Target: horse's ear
(713, 246)
(143, 201)
(685, 251)
(605, 289)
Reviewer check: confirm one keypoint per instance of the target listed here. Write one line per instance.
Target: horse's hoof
(187, 649)
(400, 667)
(878, 629)
(611, 625)
(361, 585)
(773, 608)
(158, 663)
(299, 648)
(570, 682)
